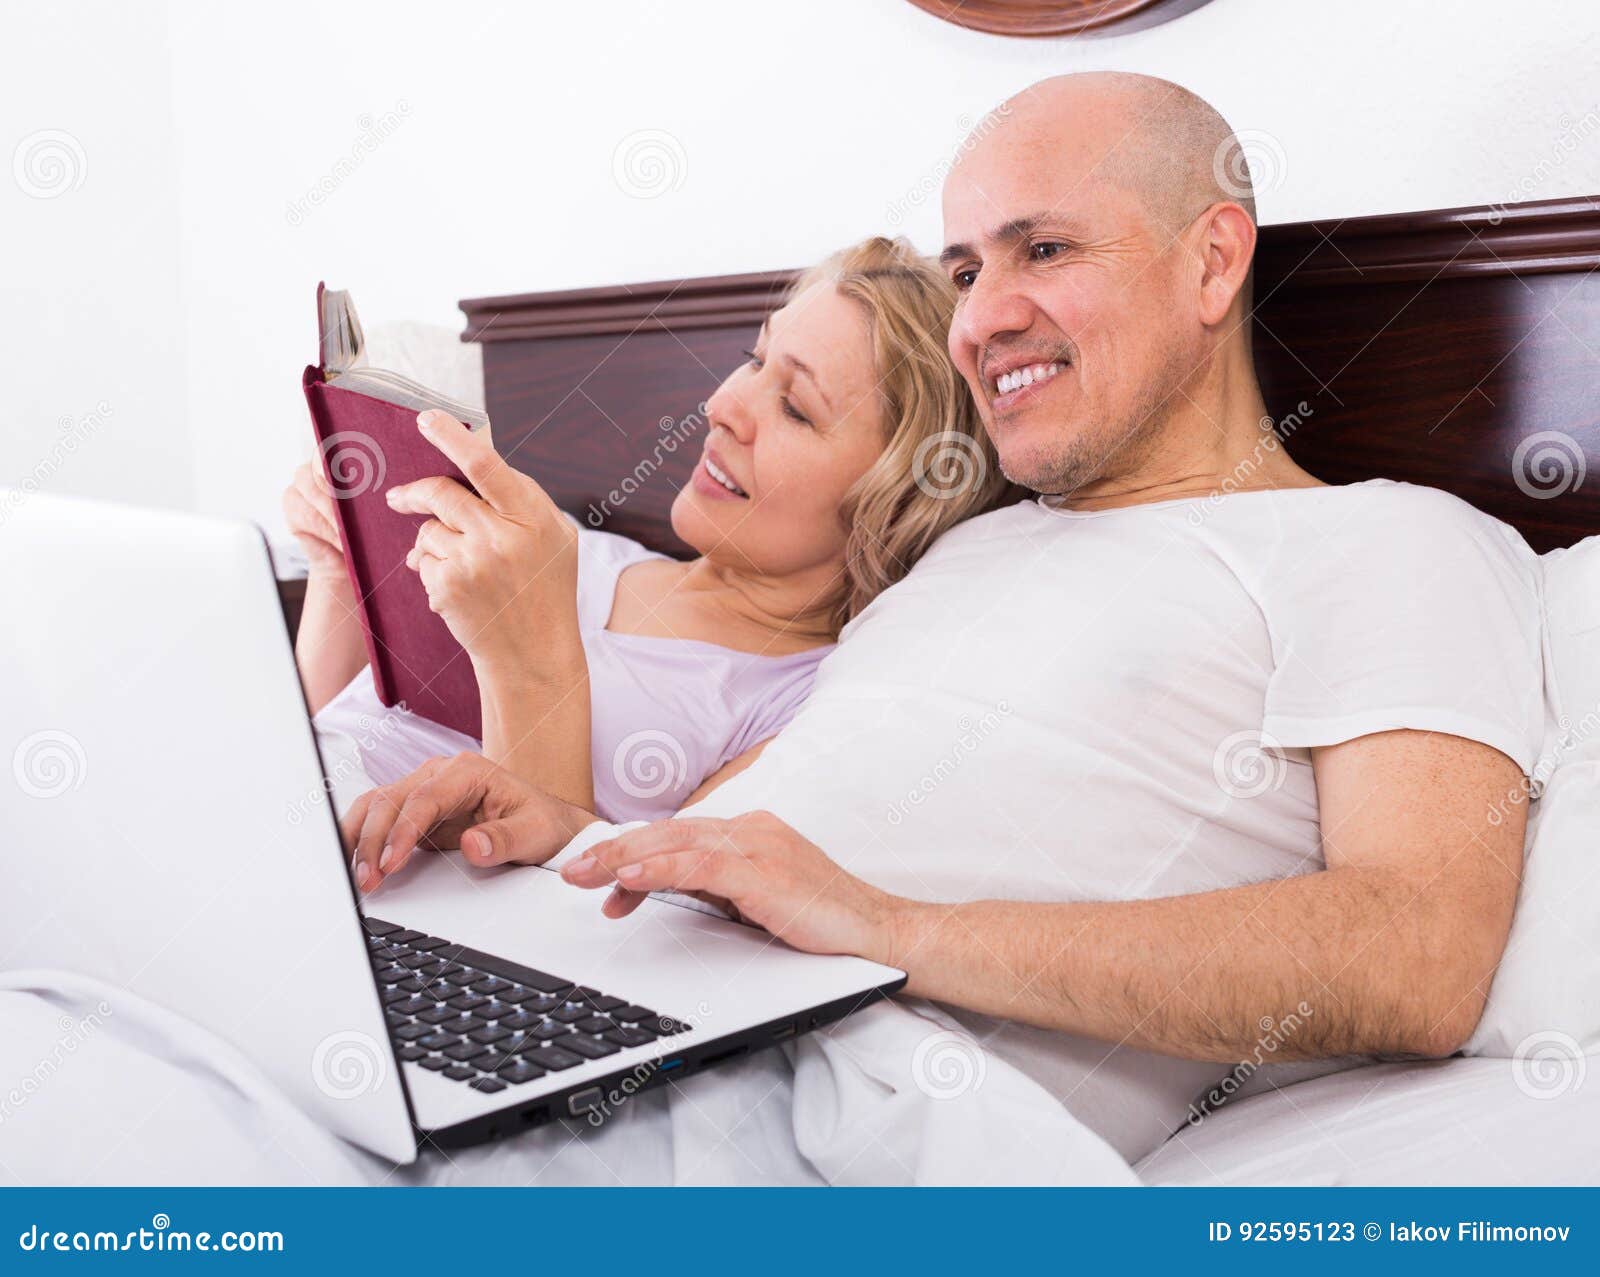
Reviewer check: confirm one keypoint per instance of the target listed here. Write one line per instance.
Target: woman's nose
(727, 408)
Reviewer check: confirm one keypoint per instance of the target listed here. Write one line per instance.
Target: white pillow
(1544, 1006)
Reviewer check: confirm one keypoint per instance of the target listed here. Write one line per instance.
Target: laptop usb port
(783, 1031)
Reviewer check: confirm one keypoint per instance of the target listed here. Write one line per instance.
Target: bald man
(1258, 732)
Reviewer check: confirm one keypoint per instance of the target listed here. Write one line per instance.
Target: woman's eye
(752, 358)
(790, 411)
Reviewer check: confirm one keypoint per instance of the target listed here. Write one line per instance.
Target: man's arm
(1392, 946)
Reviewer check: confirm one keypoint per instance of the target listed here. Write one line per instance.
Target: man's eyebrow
(1018, 228)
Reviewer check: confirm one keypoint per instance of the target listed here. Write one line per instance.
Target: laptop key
(460, 1072)
(630, 1037)
(491, 984)
(415, 1004)
(438, 1041)
(391, 996)
(632, 1014)
(464, 1051)
(589, 1048)
(493, 1009)
(488, 1085)
(403, 936)
(568, 1013)
(664, 1025)
(436, 1063)
(393, 974)
(490, 1034)
(469, 1002)
(428, 943)
(421, 962)
(515, 972)
(552, 1058)
(552, 1029)
(438, 1015)
(605, 1002)
(378, 927)
(520, 1020)
(519, 1072)
(412, 1032)
(411, 1051)
(395, 1019)
(595, 1024)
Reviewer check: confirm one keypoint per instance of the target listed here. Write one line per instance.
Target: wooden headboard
(1458, 348)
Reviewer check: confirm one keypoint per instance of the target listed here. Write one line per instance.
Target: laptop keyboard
(479, 1019)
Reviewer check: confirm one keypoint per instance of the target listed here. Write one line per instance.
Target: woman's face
(789, 432)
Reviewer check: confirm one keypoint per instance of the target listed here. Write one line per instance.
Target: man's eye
(963, 279)
(1044, 252)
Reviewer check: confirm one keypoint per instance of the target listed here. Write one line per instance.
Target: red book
(366, 425)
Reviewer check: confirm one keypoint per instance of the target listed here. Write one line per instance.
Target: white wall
(92, 364)
(462, 151)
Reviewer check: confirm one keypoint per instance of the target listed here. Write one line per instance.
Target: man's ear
(1227, 245)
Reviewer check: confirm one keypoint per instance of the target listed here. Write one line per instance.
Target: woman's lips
(706, 483)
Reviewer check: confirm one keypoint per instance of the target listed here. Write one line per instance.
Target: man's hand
(466, 801)
(769, 874)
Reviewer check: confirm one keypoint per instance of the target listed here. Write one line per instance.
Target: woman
(631, 683)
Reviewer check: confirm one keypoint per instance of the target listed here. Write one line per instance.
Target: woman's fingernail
(363, 872)
(425, 419)
(631, 873)
(582, 865)
(390, 495)
(388, 855)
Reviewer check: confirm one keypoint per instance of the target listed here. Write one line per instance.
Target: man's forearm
(1199, 976)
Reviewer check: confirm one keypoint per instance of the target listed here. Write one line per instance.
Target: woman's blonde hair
(937, 466)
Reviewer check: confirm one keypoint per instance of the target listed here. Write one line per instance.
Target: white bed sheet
(1440, 1123)
(98, 1086)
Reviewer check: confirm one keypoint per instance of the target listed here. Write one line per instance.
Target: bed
(1458, 348)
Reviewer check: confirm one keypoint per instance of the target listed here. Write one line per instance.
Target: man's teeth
(1020, 377)
(720, 477)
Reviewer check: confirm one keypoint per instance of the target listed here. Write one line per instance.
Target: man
(1248, 728)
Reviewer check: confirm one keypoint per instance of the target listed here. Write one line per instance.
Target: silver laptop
(170, 831)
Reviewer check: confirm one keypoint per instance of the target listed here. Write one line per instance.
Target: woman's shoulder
(602, 558)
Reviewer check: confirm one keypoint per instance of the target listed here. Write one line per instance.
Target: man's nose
(992, 309)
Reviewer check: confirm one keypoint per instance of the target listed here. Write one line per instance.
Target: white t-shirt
(1121, 704)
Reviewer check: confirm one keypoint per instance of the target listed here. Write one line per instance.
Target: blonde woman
(631, 683)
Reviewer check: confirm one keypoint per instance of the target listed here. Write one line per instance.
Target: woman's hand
(308, 510)
(768, 873)
(328, 647)
(501, 568)
(466, 801)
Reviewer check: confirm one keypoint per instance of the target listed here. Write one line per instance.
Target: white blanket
(98, 1086)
